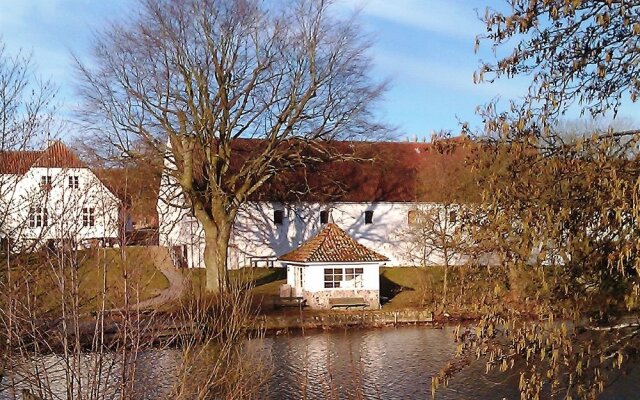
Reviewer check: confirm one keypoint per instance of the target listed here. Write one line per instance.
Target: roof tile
(332, 244)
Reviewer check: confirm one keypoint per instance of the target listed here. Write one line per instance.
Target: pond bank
(278, 322)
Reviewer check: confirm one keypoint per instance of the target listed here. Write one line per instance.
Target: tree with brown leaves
(560, 211)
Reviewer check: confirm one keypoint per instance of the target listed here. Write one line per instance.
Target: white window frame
(343, 278)
(88, 217)
(38, 217)
(73, 182)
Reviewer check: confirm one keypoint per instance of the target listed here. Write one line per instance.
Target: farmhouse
(375, 201)
(332, 269)
(51, 197)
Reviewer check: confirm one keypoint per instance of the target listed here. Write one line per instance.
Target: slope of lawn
(80, 278)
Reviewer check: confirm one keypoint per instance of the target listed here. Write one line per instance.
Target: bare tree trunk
(215, 256)
(446, 272)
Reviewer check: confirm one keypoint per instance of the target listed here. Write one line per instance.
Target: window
(74, 182)
(278, 217)
(45, 182)
(352, 273)
(88, 217)
(368, 217)
(297, 277)
(346, 278)
(38, 217)
(453, 216)
(332, 277)
(324, 217)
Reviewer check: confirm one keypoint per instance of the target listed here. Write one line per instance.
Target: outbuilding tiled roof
(57, 155)
(332, 244)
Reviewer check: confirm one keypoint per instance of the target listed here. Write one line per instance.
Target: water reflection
(372, 364)
(389, 364)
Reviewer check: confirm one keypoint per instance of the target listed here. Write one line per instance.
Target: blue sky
(424, 46)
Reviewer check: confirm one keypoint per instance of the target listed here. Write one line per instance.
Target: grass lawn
(405, 287)
(263, 281)
(53, 279)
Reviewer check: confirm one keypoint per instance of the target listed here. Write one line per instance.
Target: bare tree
(27, 117)
(27, 105)
(202, 76)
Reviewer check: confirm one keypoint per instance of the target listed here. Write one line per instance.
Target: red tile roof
(57, 155)
(17, 162)
(358, 171)
(332, 244)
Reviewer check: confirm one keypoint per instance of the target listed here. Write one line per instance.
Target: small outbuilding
(333, 270)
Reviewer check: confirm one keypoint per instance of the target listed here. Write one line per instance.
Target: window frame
(368, 217)
(88, 217)
(324, 217)
(73, 182)
(278, 217)
(46, 182)
(338, 275)
(38, 217)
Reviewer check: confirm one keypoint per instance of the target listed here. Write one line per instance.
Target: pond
(390, 363)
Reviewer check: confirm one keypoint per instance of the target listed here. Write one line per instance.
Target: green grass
(402, 287)
(145, 281)
(255, 277)
(52, 279)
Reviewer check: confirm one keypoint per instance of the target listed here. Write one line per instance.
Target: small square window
(38, 217)
(368, 217)
(324, 217)
(74, 182)
(45, 182)
(278, 217)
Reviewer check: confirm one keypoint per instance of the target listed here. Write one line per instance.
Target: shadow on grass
(390, 289)
(275, 274)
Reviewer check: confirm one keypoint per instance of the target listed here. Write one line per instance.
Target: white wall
(64, 207)
(255, 234)
(313, 276)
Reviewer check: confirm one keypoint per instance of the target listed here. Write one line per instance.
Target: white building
(374, 207)
(50, 197)
(332, 269)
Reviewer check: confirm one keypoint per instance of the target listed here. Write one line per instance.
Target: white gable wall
(63, 204)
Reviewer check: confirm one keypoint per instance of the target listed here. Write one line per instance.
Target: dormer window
(278, 217)
(45, 182)
(324, 217)
(74, 182)
(368, 217)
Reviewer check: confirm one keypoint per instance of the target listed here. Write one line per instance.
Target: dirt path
(177, 281)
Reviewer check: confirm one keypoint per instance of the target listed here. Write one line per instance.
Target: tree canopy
(202, 75)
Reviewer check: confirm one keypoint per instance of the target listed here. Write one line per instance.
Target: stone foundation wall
(320, 300)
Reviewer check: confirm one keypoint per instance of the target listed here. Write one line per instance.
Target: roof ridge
(324, 232)
(332, 244)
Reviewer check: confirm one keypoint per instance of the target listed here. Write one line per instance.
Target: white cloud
(445, 74)
(448, 18)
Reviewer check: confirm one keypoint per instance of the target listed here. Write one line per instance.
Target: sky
(424, 47)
